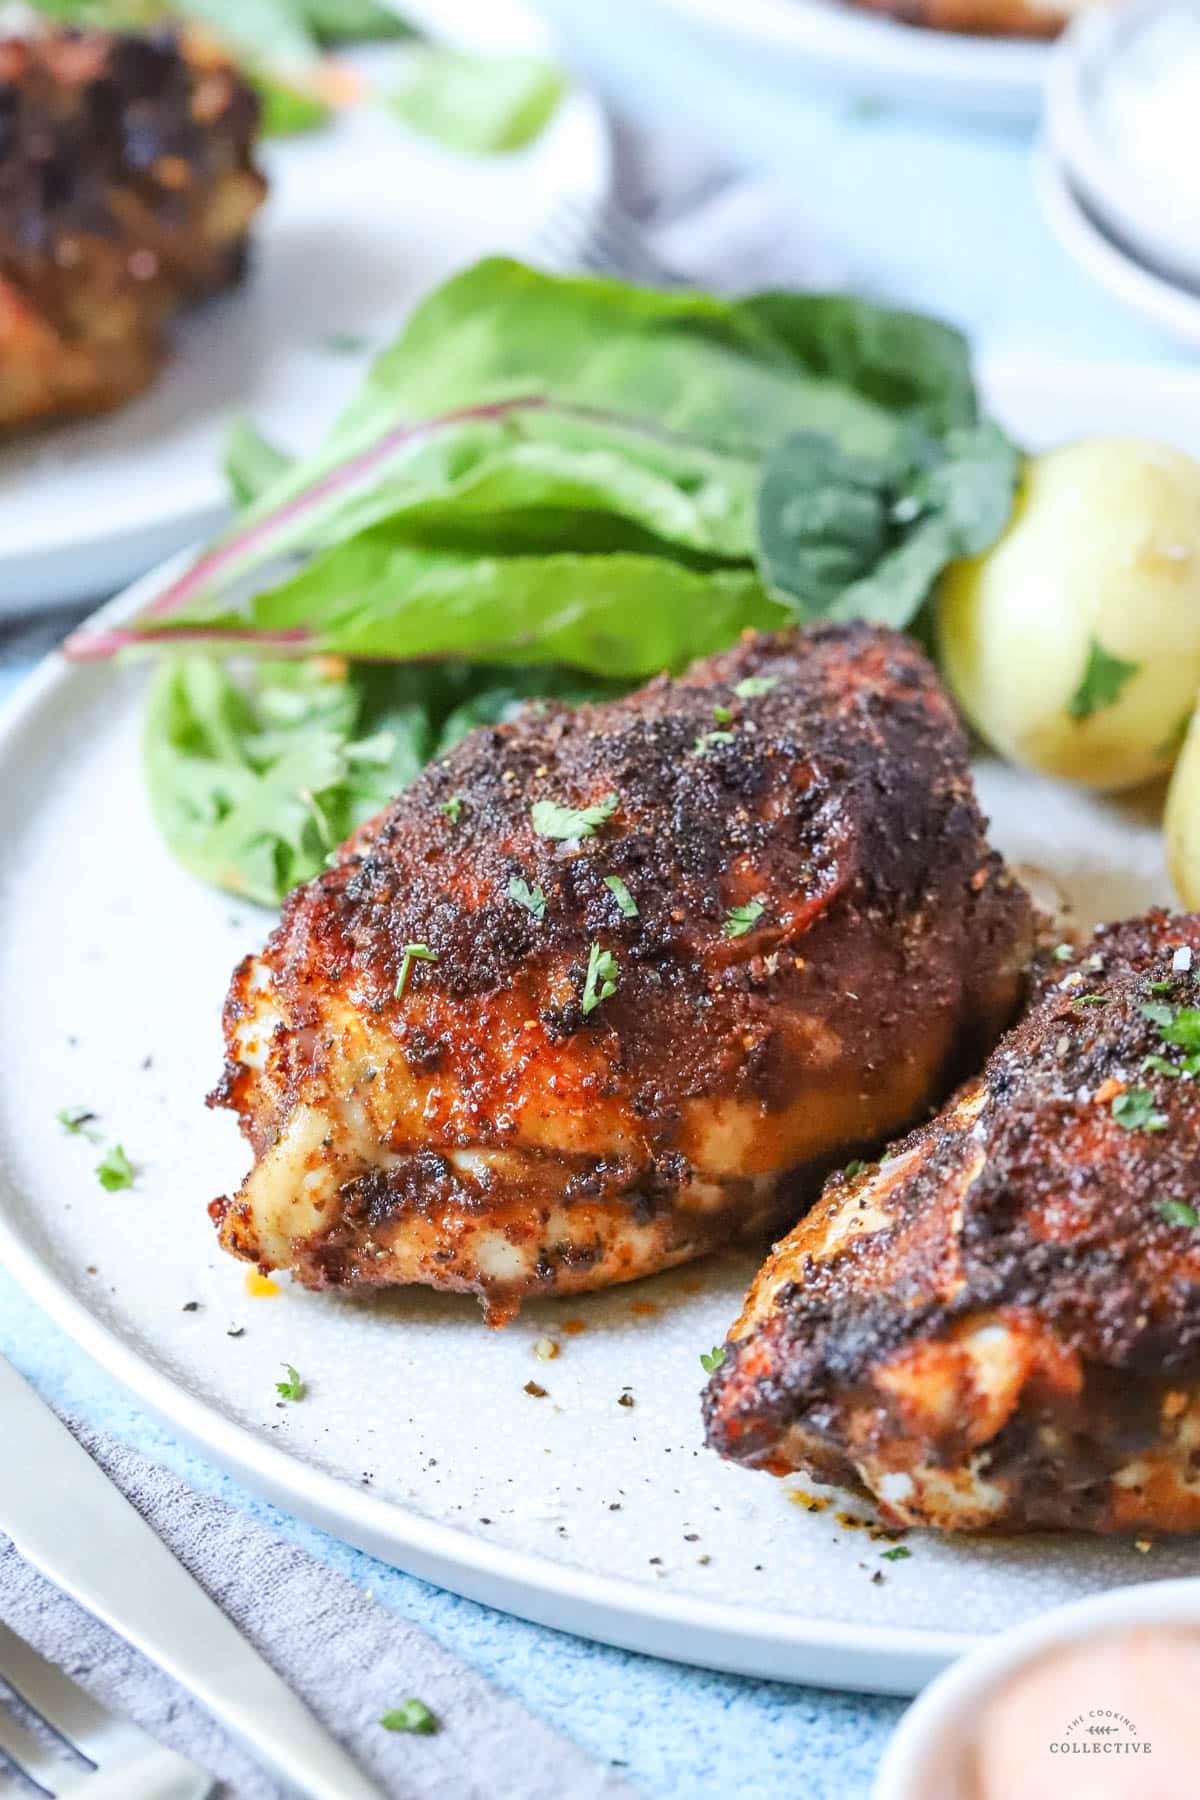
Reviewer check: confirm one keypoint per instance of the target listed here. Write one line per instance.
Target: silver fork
(85, 1750)
(600, 240)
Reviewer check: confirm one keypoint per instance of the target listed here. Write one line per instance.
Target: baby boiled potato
(1183, 821)
(1073, 644)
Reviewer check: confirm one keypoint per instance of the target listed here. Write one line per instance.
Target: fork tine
(66, 1708)
(35, 1760)
(132, 1761)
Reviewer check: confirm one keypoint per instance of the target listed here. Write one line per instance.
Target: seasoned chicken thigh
(607, 987)
(999, 1323)
(127, 188)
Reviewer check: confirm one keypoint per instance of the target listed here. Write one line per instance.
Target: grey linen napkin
(346, 1656)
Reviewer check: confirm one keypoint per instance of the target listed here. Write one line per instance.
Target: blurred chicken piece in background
(127, 187)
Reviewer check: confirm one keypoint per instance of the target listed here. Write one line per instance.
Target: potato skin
(1103, 548)
(1182, 822)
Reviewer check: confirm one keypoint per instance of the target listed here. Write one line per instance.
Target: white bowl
(1169, 305)
(927, 1757)
(1111, 73)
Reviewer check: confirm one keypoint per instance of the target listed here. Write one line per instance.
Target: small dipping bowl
(932, 1753)
(1123, 121)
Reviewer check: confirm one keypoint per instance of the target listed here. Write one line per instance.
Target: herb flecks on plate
(79, 1121)
(114, 1171)
(292, 1387)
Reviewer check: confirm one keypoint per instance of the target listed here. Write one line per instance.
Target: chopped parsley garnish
(413, 1715)
(708, 739)
(853, 1169)
(412, 953)
(621, 895)
(897, 1553)
(550, 820)
(1103, 679)
(1178, 1212)
(114, 1170)
(1176, 1024)
(79, 1121)
(1064, 953)
(601, 981)
(533, 899)
(1183, 1029)
(752, 687)
(293, 1388)
(1134, 1111)
(711, 1360)
(740, 919)
(722, 715)
(452, 808)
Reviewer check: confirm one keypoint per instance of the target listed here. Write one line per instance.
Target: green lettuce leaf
(251, 461)
(253, 782)
(620, 615)
(521, 414)
(845, 537)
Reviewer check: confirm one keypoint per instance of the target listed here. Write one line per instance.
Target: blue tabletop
(936, 215)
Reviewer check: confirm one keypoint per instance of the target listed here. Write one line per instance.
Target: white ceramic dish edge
(1173, 309)
(1124, 203)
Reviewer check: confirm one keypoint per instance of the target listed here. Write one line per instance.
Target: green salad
(554, 487)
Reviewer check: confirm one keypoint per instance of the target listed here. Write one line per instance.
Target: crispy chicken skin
(126, 190)
(999, 1324)
(487, 1132)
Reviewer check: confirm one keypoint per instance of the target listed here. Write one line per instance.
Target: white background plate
(840, 47)
(572, 1509)
(362, 219)
(1167, 304)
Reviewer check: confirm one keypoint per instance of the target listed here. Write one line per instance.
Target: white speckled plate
(362, 219)
(417, 1440)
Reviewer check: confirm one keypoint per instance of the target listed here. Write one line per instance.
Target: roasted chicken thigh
(609, 986)
(999, 1323)
(127, 186)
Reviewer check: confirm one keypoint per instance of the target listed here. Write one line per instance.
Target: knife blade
(69, 1520)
